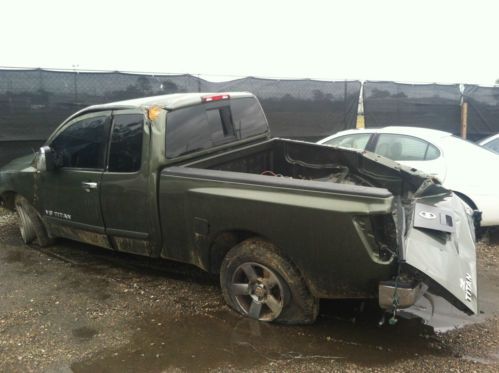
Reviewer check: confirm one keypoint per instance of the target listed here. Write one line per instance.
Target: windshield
(457, 141)
(491, 144)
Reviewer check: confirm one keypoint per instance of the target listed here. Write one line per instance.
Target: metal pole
(345, 106)
(464, 120)
(75, 83)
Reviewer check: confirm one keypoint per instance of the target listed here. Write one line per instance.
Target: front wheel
(30, 224)
(259, 283)
(26, 227)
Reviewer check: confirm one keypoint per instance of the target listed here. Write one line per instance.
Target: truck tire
(259, 283)
(30, 224)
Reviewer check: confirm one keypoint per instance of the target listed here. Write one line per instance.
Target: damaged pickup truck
(196, 178)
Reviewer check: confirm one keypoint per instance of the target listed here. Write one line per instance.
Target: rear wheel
(30, 224)
(258, 291)
(259, 283)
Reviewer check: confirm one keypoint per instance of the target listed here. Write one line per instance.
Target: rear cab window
(207, 125)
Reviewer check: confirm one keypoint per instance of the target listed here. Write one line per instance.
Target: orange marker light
(153, 112)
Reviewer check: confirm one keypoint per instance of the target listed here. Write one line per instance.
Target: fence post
(464, 120)
(360, 109)
(345, 105)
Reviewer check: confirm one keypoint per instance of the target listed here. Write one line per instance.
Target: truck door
(69, 196)
(126, 208)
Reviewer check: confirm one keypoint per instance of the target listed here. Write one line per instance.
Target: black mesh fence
(423, 105)
(10, 149)
(483, 110)
(34, 102)
(303, 109)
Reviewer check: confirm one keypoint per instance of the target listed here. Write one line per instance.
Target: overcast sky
(409, 41)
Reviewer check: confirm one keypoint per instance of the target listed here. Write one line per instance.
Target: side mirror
(46, 159)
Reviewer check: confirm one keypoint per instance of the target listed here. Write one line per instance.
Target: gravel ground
(73, 307)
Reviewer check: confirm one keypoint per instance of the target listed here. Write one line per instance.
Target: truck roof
(169, 102)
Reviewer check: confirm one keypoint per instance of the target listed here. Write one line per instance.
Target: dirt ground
(77, 308)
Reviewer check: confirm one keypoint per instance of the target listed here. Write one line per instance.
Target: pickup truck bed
(316, 203)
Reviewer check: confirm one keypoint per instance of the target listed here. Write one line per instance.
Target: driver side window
(83, 143)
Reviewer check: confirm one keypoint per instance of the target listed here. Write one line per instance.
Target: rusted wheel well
(226, 240)
(7, 200)
(222, 243)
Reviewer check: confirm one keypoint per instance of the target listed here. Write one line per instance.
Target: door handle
(89, 185)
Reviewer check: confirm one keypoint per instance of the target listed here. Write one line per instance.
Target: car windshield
(458, 140)
(491, 143)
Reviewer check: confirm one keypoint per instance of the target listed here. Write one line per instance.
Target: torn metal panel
(446, 257)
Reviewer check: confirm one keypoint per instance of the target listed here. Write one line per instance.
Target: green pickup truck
(196, 178)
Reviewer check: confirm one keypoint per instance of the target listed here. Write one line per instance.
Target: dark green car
(196, 178)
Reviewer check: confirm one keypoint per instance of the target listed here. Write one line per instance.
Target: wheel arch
(303, 306)
(41, 231)
(477, 219)
(225, 240)
(466, 199)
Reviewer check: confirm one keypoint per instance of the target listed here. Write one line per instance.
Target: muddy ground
(77, 308)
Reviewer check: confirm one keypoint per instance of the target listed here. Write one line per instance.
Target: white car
(471, 171)
(491, 143)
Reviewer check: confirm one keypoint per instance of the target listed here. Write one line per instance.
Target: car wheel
(30, 224)
(259, 283)
(25, 224)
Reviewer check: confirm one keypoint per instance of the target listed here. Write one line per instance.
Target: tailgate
(440, 244)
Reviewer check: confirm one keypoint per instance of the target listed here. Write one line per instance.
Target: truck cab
(103, 189)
